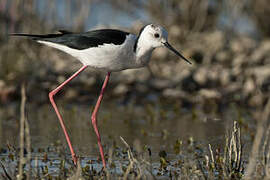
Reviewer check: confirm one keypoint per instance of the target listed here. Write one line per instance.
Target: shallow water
(154, 125)
(157, 125)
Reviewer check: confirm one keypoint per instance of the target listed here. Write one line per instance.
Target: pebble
(210, 93)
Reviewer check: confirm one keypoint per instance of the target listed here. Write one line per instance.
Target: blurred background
(227, 41)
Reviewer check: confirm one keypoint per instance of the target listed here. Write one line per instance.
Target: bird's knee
(51, 94)
(94, 119)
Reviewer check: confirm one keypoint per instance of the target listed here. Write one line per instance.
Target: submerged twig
(266, 153)
(212, 157)
(22, 122)
(28, 147)
(5, 171)
(78, 173)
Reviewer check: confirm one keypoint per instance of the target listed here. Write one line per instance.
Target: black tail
(31, 36)
(40, 37)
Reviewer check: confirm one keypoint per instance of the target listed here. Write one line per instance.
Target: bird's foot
(75, 159)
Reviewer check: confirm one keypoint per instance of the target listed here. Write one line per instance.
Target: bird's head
(156, 36)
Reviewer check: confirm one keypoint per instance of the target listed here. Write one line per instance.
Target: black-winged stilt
(107, 49)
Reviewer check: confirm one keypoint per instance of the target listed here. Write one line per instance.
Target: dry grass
(230, 164)
(261, 131)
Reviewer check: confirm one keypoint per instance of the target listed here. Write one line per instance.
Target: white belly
(110, 57)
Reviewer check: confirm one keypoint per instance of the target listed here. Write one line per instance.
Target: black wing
(82, 40)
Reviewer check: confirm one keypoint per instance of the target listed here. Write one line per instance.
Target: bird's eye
(156, 35)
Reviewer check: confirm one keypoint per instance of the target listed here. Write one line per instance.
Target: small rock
(261, 51)
(143, 74)
(160, 53)
(5, 91)
(127, 76)
(200, 76)
(233, 87)
(249, 86)
(61, 79)
(88, 79)
(214, 72)
(71, 93)
(175, 31)
(256, 100)
(215, 40)
(242, 45)
(239, 59)
(222, 56)
(224, 77)
(209, 93)
(161, 83)
(120, 89)
(261, 73)
(173, 93)
(141, 88)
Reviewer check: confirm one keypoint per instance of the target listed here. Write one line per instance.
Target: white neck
(143, 52)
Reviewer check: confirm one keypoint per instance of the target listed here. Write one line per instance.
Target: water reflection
(155, 125)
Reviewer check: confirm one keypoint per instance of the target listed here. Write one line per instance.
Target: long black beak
(175, 51)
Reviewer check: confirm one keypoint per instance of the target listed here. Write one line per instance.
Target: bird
(109, 50)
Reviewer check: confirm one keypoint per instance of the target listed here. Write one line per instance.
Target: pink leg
(51, 95)
(94, 117)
